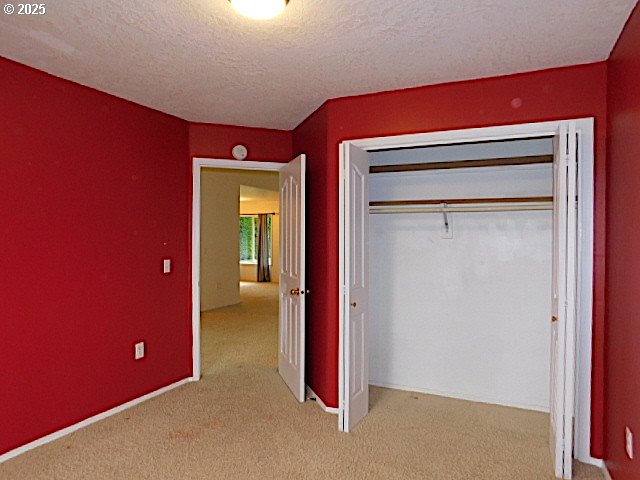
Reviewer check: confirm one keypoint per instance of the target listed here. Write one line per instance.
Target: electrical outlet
(139, 351)
(628, 435)
(166, 265)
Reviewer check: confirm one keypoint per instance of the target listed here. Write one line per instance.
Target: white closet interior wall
(467, 316)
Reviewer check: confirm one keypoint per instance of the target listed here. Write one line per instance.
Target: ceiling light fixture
(259, 9)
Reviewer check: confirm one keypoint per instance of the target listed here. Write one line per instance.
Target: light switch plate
(166, 265)
(139, 351)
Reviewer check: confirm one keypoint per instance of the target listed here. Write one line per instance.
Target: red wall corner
(216, 141)
(623, 254)
(310, 137)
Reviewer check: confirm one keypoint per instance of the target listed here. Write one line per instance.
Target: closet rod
(463, 208)
(460, 201)
(503, 204)
(487, 162)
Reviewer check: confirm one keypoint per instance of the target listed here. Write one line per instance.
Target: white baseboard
(605, 471)
(462, 396)
(596, 462)
(323, 406)
(88, 421)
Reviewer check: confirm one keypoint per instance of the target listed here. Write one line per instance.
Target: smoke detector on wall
(259, 9)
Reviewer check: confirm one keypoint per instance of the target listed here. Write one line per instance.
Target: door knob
(295, 291)
(554, 318)
(354, 304)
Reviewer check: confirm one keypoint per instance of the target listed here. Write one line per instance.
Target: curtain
(264, 270)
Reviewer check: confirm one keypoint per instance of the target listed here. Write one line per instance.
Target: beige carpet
(241, 422)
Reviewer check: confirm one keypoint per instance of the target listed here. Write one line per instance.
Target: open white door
(564, 300)
(292, 276)
(355, 387)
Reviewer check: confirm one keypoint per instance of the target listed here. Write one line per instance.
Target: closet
(460, 270)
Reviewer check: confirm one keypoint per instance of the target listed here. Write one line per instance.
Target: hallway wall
(220, 240)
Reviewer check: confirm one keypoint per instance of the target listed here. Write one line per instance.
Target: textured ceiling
(199, 60)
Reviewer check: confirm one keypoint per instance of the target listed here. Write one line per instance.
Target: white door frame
(585, 126)
(198, 164)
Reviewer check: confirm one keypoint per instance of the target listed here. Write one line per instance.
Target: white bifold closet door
(356, 295)
(355, 281)
(563, 321)
(291, 349)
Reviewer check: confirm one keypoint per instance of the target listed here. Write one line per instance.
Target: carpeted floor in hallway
(241, 422)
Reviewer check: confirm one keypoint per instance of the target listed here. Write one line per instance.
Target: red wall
(311, 138)
(547, 95)
(623, 253)
(216, 141)
(93, 195)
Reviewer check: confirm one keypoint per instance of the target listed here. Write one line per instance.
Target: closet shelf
(487, 162)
